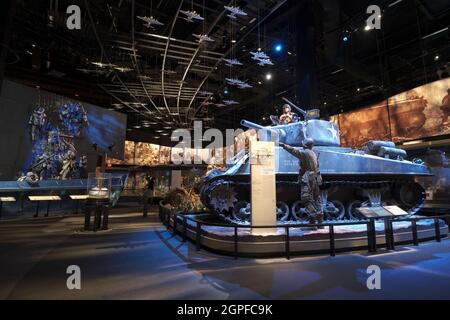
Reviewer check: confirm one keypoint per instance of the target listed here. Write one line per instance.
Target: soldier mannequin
(288, 116)
(309, 179)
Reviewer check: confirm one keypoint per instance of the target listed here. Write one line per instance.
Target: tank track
(328, 184)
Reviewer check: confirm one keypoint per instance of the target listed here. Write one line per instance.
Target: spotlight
(278, 47)
(367, 28)
(345, 38)
(436, 57)
(226, 91)
(269, 76)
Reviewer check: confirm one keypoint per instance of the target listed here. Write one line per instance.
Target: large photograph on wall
(57, 137)
(421, 112)
(147, 154)
(164, 155)
(359, 127)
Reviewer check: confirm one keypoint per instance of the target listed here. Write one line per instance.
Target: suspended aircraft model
(230, 102)
(234, 81)
(103, 65)
(232, 62)
(258, 55)
(201, 38)
(235, 11)
(262, 58)
(264, 62)
(150, 22)
(94, 71)
(191, 16)
(238, 83)
(205, 93)
(123, 69)
(245, 85)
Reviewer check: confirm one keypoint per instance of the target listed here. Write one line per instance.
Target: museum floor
(138, 259)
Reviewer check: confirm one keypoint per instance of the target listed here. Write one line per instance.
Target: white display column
(263, 187)
(175, 179)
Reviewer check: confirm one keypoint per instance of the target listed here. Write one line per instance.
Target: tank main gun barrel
(255, 126)
(303, 112)
(273, 131)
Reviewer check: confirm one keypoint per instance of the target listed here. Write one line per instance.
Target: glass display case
(99, 186)
(191, 178)
(162, 182)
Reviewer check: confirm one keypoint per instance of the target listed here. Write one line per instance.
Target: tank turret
(323, 133)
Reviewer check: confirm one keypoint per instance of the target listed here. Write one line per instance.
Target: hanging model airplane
(232, 62)
(123, 69)
(258, 55)
(245, 85)
(143, 77)
(235, 11)
(230, 102)
(238, 83)
(150, 22)
(191, 16)
(103, 65)
(96, 71)
(265, 62)
(203, 38)
(234, 81)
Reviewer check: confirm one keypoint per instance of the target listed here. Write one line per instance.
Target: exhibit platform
(297, 238)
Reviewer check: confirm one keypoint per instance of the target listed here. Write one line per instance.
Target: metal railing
(167, 217)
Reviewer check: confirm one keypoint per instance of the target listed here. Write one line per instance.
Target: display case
(162, 182)
(99, 186)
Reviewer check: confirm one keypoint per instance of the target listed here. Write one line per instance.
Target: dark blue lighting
(278, 47)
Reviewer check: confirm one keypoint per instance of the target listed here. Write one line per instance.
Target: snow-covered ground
(302, 231)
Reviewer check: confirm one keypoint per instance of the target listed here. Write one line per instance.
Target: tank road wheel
(410, 195)
(351, 208)
(298, 211)
(282, 211)
(334, 210)
(223, 198)
(242, 211)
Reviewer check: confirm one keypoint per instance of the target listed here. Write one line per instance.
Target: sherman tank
(375, 175)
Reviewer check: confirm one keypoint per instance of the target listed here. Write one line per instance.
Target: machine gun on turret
(307, 115)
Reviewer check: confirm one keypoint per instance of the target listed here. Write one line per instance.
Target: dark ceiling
(165, 78)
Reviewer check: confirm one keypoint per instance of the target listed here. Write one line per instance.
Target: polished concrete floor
(138, 259)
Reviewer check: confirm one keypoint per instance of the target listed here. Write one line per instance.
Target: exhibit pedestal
(263, 187)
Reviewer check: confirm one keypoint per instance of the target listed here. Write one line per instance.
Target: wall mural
(65, 135)
(421, 112)
(414, 114)
(359, 127)
(52, 132)
(146, 154)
